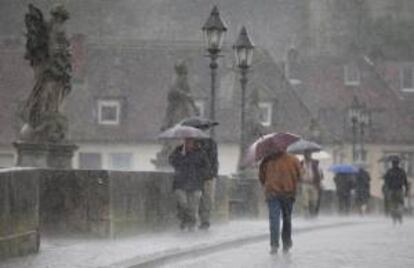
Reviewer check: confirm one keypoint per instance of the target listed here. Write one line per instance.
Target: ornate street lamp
(353, 115)
(213, 30)
(243, 49)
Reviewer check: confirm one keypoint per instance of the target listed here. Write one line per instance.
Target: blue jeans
(280, 205)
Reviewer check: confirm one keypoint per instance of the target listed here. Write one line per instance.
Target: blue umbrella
(343, 168)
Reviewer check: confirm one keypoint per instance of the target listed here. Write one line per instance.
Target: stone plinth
(19, 212)
(45, 155)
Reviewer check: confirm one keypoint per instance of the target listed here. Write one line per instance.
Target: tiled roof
(139, 74)
(324, 91)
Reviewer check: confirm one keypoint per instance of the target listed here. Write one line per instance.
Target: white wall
(7, 156)
(228, 154)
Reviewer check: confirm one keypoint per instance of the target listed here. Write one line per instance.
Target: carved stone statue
(42, 140)
(47, 50)
(180, 101)
(180, 105)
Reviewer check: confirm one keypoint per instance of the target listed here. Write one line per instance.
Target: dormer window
(407, 79)
(265, 115)
(109, 112)
(351, 75)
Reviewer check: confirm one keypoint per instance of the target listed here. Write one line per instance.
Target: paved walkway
(125, 252)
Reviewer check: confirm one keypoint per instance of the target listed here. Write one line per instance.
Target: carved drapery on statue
(180, 101)
(180, 104)
(47, 50)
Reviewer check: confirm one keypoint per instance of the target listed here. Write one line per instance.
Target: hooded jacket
(279, 174)
(190, 168)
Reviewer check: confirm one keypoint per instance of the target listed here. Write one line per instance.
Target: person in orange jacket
(279, 174)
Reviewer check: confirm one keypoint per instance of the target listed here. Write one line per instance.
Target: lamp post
(363, 122)
(243, 50)
(353, 114)
(213, 31)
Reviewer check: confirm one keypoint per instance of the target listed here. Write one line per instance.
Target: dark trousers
(279, 205)
(344, 203)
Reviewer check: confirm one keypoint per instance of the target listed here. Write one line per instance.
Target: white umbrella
(303, 145)
(322, 155)
(182, 132)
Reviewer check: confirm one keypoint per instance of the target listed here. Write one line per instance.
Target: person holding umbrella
(190, 164)
(310, 184)
(344, 181)
(279, 173)
(209, 146)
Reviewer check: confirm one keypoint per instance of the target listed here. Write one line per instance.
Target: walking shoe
(286, 250)
(287, 246)
(273, 250)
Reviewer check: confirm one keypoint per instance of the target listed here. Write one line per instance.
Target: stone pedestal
(45, 155)
(161, 160)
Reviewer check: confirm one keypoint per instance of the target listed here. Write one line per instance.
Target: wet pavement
(143, 249)
(372, 244)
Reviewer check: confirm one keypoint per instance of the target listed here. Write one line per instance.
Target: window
(121, 161)
(265, 115)
(90, 161)
(200, 106)
(351, 75)
(6, 160)
(108, 112)
(407, 82)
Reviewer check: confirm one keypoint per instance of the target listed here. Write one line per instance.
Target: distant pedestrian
(279, 175)
(310, 184)
(209, 146)
(385, 195)
(395, 180)
(190, 164)
(344, 183)
(362, 189)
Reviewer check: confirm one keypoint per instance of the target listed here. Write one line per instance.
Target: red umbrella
(267, 145)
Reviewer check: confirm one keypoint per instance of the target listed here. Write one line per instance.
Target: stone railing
(112, 203)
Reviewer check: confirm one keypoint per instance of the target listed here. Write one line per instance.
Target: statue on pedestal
(42, 140)
(180, 105)
(47, 50)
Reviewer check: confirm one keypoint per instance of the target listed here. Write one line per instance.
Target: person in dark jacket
(362, 189)
(344, 183)
(395, 179)
(190, 164)
(209, 146)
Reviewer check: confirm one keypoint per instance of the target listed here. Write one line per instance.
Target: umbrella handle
(184, 150)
